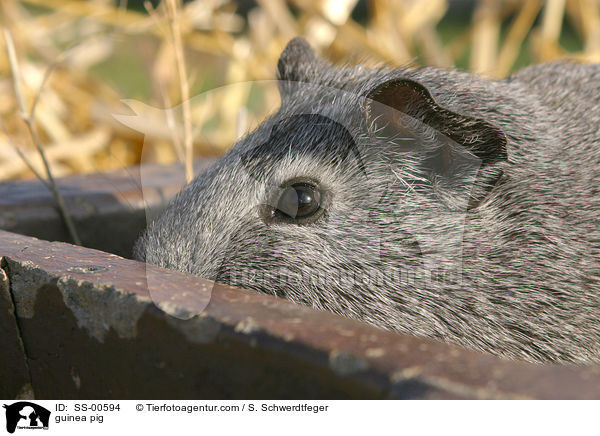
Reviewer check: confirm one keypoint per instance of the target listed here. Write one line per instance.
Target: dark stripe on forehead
(302, 135)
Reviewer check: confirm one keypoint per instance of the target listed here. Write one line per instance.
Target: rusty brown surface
(91, 331)
(107, 208)
(14, 375)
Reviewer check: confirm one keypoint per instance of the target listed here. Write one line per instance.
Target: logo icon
(26, 415)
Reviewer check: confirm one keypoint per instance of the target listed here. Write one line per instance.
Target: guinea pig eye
(299, 200)
(297, 203)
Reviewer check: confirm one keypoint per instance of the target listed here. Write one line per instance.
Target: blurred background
(66, 66)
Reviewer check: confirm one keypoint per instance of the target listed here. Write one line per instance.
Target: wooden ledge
(81, 323)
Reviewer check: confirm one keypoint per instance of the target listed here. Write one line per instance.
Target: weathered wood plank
(91, 330)
(108, 209)
(14, 374)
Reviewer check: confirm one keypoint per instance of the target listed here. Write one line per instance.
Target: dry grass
(87, 56)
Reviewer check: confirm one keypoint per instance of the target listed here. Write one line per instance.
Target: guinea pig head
(359, 180)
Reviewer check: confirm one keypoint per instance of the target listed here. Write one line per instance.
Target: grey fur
(529, 259)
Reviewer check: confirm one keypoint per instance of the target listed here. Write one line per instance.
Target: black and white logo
(26, 415)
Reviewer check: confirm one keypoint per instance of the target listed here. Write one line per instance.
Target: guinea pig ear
(299, 62)
(406, 96)
(395, 105)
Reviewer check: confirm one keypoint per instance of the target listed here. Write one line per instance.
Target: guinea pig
(420, 200)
